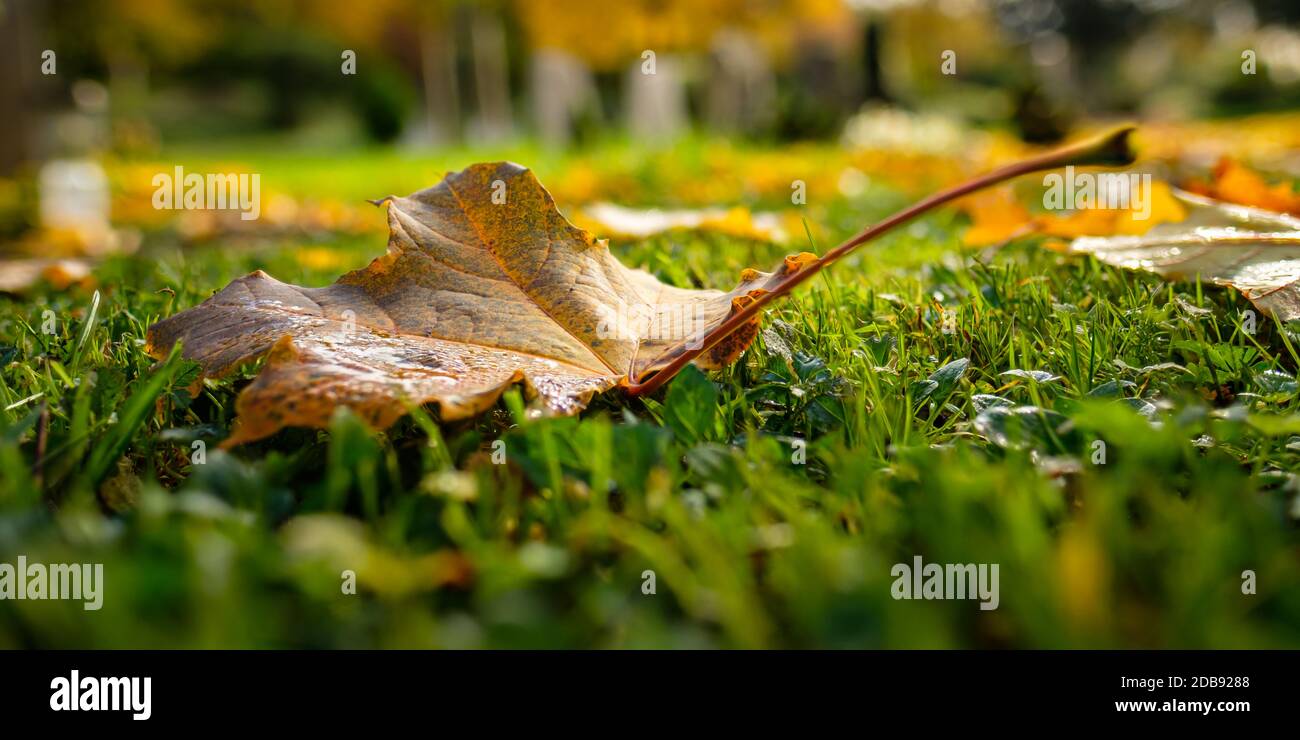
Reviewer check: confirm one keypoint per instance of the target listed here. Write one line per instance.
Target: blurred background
(98, 96)
(142, 75)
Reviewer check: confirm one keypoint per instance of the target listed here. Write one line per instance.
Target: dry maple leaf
(475, 293)
(485, 285)
(1250, 249)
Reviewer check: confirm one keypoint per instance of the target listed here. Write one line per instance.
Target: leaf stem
(1109, 149)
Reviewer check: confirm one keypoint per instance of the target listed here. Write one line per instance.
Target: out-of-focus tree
(803, 38)
(585, 29)
(91, 33)
(20, 57)
(291, 47)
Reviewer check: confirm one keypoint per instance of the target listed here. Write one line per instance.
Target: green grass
(911, 449)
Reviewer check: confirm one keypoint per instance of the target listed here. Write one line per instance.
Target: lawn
(1122, 447)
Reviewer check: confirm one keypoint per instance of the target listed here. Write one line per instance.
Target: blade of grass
(136, 410)
(87, 327)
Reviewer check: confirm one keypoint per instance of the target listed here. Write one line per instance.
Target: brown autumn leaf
(1250, 249)
(484, 285)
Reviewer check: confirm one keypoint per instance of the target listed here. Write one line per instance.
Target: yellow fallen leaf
(996, 216)
(16, 276)
(1165, 208)
(617, 221)
(1235, 183)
